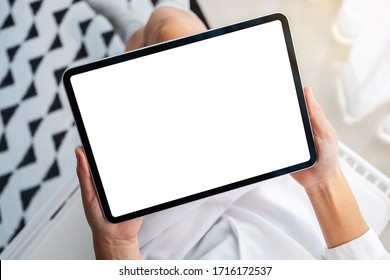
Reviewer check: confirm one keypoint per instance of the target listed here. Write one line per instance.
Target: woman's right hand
(326, 142)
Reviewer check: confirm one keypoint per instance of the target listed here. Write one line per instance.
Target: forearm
(116, 250)
(337, 210)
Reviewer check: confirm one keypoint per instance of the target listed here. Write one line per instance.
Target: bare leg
(136, 41)
(165, 24)
(170, 20)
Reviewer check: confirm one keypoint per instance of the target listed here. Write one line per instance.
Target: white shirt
(269, 220)
(366, 247)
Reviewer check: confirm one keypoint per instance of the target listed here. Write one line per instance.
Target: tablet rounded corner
(313, 158)
(281, 17)
(110, 218)
(66, 75)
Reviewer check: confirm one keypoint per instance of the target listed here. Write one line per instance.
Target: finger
(320, 124)
(87, 188)
(311, 106)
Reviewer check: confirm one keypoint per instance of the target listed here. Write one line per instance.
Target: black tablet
(190, 118)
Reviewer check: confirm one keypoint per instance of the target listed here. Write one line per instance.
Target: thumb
(86, 183)
(320, 124)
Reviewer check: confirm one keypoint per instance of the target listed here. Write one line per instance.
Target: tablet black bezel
(173, 44)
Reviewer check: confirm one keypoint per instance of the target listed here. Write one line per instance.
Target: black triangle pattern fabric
(35, 6)
(31, 92)
(28, 158)
(39, 40)
(27, 195)
(56, 43)
(11, 52)
(3, 143)
(7, 80)
(8, 22)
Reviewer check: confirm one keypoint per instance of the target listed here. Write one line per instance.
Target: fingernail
(309, 94)
(77, 154)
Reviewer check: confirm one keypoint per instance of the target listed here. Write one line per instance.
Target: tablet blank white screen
(193, 118)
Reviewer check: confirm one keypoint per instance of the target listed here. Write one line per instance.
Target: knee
(168, 24)
(170, 29)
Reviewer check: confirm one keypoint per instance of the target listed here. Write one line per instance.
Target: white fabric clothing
(178, 4)
(269, 220)
(123, 18)
(365, 81)
(384, 130)
(366, 247)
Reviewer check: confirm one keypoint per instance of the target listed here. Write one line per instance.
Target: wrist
(333, 179)
(337, 210)
(108, 249)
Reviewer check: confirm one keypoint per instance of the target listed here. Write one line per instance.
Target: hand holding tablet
(190, 118)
